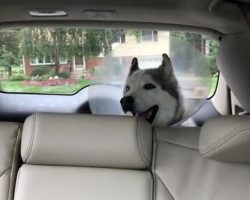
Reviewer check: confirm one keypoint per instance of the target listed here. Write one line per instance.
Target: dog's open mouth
(149, 114)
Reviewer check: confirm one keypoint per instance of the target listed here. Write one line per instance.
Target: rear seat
(95, 157)
(85, 157)
(220, 171)
(9, 158)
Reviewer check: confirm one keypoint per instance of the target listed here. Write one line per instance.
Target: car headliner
(221, 16)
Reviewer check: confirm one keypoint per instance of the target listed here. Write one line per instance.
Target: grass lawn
(18, 86)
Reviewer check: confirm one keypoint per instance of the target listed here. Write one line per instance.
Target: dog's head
(153, 93)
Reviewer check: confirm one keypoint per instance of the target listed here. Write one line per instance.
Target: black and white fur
(153, 94)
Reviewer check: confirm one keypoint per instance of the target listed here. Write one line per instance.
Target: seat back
(85, 157)
(9, 157)
(213, 164)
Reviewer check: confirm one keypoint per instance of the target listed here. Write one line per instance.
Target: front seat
(73, 156)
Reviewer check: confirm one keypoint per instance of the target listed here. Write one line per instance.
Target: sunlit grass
(20, 87)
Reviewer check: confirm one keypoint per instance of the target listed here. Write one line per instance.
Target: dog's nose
(127, 103)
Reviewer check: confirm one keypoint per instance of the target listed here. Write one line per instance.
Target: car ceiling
(222, 16)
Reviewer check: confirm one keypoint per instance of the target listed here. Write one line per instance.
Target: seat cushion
(64, 183)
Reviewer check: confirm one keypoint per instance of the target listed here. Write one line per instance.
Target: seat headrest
(87, 140)
(226, 139)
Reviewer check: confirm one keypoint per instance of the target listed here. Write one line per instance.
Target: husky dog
(153, 94)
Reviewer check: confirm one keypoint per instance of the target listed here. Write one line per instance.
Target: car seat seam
(13, 158)
(32, 138)
(183, 146)
(165, 186)
(17, 180)
(4, 172)
(138, 134)
(232, 133)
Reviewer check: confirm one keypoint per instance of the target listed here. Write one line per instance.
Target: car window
(65, 60)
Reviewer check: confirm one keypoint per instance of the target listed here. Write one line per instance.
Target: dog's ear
(134, 66)
(166, 64)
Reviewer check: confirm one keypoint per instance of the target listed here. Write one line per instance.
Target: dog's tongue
(146, 115)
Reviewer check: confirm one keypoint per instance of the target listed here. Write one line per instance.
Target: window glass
(65, 60)
(146, 36)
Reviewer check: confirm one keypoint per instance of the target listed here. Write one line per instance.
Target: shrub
(17, 70)
(52, 73)
(64, 75)
(40, 70)
(40, 78)
(18, 77)
(28, 78)
(44, 77)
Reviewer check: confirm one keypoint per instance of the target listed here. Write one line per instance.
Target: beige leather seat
(9, 158)
(85, 157)
(211, 165)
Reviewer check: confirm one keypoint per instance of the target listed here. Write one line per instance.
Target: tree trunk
(107, 46)
(57, 56)
(9, 72)
(57, 61)
(195, 40)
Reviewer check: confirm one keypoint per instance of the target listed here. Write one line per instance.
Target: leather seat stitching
(144, 154)
(4, 172)
(17, 181)
(183, 146)
(165, 186)
(32, 138)
(232, 133)
(14, 157)
(154, 164)
(138, 134)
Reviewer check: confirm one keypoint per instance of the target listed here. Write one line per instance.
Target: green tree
(9, 49)
(187, 47)
(60, 42)
(213, 49)
(7, 60)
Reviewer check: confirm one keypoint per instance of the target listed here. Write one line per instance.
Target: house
(147, 46)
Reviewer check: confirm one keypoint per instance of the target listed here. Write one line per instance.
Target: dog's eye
(149, 86)
(127, 88)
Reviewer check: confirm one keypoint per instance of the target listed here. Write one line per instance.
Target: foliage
(18, 77)
(135, 33)
(92, 46)
(65, 43)
(53, 44)
(40, 78)
(9, 50)
(188, 52)
(64, 75)
(44, 73)
(7, 60)
(213, 46)
(52, 73)
(40, 70)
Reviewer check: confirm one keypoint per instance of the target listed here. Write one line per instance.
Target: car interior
(63, 133)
